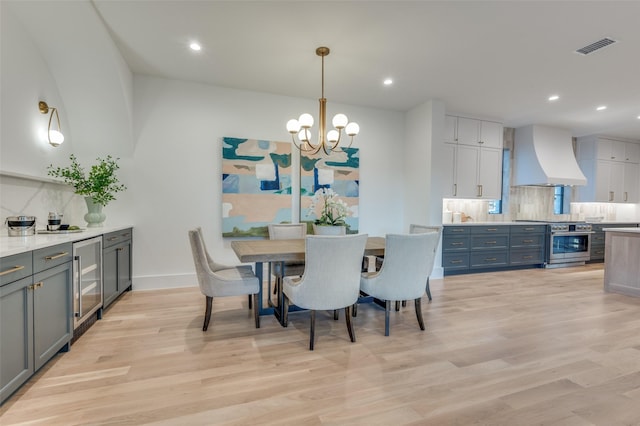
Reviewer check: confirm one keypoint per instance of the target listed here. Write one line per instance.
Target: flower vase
(94, 217)
(329, 229)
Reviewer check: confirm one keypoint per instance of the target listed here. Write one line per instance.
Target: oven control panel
(570, 227)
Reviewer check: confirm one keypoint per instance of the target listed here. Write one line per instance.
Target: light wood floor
(534, 347)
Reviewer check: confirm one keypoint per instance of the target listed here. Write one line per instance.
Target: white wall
(177, 173)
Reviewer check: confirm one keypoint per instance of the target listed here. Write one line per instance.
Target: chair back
(331, 278)
(213, 265)
(287, 231)
(203, 270)
(420, 229)
(408, 262)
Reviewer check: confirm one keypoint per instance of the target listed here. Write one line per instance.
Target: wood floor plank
(530, 347)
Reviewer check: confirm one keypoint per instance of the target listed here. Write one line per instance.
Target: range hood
(544, 157)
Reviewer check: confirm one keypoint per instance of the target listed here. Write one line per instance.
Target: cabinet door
(467, 160)
(53, 313)
(603, 176)
(468, 131)
(616, 182)
(490, 173)
(491, 134)
(631, 183)
(632, 152)
(124, 267)
(450, 129)
(110, 265)
(16, 335)
(449, 176)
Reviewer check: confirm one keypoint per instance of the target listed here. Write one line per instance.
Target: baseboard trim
(158, 282)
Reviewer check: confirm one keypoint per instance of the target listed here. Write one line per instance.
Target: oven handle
(577, 233)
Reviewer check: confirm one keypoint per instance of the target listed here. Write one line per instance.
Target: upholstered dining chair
(423, 229)
(408, 259)
(217, 280)
(286, 231)
(331, 278)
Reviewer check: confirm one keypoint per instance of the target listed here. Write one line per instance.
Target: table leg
(262, 310)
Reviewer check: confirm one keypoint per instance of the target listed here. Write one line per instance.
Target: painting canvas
(338, 171)
(256, 186)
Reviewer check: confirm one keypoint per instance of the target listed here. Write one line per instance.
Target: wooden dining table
(261, 251)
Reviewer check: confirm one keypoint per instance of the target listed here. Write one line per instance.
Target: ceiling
(498, 60)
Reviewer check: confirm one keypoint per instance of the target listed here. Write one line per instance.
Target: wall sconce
(55, 136)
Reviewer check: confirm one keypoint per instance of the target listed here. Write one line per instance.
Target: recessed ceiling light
(554, 98)
(387, 82)
(639, 117)
(601, 108)
(195, 46)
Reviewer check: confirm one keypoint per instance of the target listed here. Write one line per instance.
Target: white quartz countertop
(493, 223)
(16, 245)
(631, 230)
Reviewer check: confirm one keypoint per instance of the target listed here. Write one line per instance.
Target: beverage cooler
(87, 279)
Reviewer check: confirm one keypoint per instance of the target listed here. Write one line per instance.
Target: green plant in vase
(98, 186)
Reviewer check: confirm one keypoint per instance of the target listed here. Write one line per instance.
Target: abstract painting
(338, 171)
(256, 186)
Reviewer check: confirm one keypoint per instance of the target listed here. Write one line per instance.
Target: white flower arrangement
(334, 210)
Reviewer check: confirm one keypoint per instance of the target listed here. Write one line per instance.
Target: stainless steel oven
(569, 244)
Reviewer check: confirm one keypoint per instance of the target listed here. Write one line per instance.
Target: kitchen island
(621, 265)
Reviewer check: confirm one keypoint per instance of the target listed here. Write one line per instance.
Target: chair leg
(347, 314)
(404, 303)
(285, 310)
(313, 329)
(207, 313)
(336, 315)
(250, 298)
(354, 310)
(387, 308)
(397, 305)
(428, 290)
(419, 313)
(256, 314)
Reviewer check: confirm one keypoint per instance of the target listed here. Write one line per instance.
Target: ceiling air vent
(596, 46)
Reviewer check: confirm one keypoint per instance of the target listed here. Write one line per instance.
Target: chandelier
(327, 142)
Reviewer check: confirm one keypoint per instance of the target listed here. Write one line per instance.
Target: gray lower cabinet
(597, 238)
(477, 248)
(35, 312)
(116, 258)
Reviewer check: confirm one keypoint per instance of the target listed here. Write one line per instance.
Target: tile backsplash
(536, 203)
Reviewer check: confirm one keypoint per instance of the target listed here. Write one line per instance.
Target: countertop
(16, 245)
(493, 223)
(630, 230)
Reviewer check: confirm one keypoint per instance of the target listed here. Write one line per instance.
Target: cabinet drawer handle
(120, 248)
(112, 238)
(527, 257)
(455, 189)
(490, 259)
(600, 252)
(528, 229)
(56, 256)
(492, 229)
(12, 270)
(457, 244)
(457, 230)
(491, 242)
(38, 285)
(479, 190)
(527, 241)
(611, 193)
(625, 196)
(455, 261)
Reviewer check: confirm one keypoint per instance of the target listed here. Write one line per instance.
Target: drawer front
(528, 229)
(455, 230)
(453, 261)
(116, 237)
(597, 252)
(597, 238)
(524, 240)
(489, 241)
(490, 230)
(13, 268)
(52, 256)
(455, 243)
(526, 257)
(489, 259)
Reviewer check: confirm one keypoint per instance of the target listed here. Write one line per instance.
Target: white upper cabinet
(477, 132)
(476, 158)
(612, 170)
